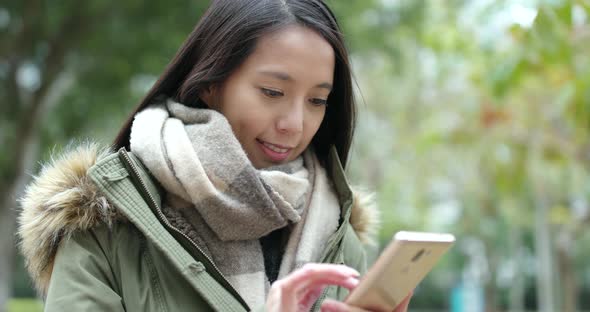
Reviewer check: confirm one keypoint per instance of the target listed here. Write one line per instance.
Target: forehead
(296, 50)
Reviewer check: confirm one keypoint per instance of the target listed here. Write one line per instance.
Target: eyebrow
(285, 77)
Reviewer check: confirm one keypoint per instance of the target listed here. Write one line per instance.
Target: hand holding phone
(399, 269)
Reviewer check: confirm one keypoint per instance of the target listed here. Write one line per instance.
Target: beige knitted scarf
(230, 204)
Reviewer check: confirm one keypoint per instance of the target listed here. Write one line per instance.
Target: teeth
(274, 148)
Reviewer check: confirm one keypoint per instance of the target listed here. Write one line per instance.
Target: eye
(271, 93)
(319, 102)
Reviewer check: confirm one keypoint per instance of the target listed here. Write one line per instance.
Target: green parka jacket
(94, 239)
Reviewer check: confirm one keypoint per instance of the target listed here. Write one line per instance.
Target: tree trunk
(490, 296)
(7, 225)
(546, 288)
(490, 290)
(545, 276)
(545, 285)
(8, 211)
(568, 281)
(517, 291)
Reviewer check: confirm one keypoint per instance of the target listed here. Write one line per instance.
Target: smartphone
(399, 269)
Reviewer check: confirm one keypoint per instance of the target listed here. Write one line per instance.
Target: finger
(330, 305)
(310, 297)
(329, 269)
(300, 286)
(403, 306)
(313, 275)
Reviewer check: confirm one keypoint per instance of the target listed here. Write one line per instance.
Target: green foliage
(24, 305)
(482, 128)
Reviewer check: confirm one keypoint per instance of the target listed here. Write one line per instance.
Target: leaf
(506, 75)
(560, 215)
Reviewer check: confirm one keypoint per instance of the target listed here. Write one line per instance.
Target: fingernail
(352, 282)
(353, 272)
(327, 307)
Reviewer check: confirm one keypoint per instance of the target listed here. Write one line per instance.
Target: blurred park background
(474, 119)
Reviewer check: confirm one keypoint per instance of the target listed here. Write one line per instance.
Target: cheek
(245, 126)
(249, 124)
(242, 113)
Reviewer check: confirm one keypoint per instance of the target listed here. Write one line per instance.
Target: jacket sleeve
(82, 279)
(354, 254)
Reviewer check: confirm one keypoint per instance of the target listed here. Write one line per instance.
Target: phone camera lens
(418, 255)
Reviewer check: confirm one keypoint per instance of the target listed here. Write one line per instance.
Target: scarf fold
(228, 203)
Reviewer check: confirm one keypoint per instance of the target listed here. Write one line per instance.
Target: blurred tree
(486, 126)
(68, 68)
(553, 69)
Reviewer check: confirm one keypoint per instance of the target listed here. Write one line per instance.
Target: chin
(260, 164)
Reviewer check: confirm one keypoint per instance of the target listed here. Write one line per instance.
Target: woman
(227, 190)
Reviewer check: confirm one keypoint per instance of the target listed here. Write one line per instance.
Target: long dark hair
(227, 34)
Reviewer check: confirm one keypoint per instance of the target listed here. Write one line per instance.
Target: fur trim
(364, 216)
(60, 200)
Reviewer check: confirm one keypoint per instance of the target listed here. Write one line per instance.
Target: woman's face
(276, 99)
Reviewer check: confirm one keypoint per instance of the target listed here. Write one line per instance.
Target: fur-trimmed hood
(62, 199)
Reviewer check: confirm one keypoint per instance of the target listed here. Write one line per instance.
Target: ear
(209, 96)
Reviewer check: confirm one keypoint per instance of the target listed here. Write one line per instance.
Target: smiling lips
(275, 152)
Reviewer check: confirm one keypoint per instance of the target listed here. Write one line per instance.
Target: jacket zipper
(316, 305)
(324, 294)
(163, 219)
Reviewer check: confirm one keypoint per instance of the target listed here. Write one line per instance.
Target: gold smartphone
(399, 269)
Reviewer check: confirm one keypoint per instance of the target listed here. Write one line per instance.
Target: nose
(291, 119)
